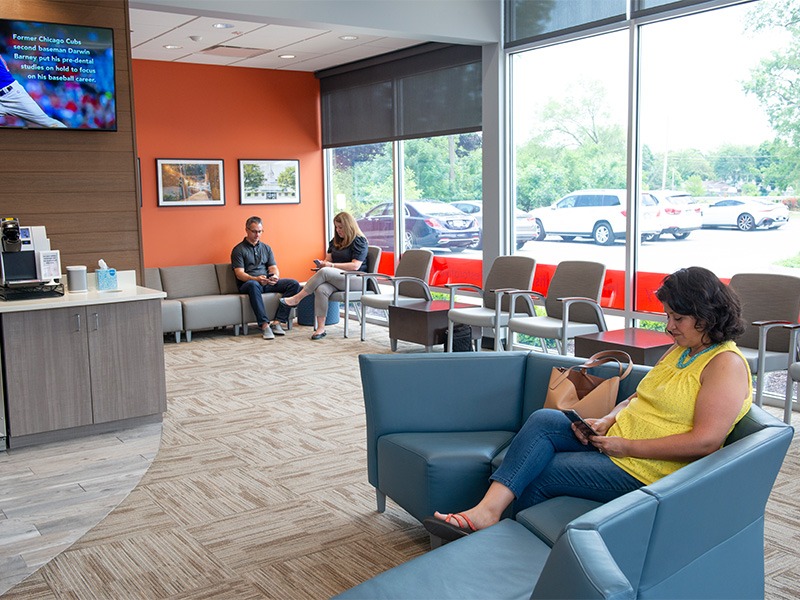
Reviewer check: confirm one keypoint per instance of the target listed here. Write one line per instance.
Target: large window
(569, 115)
(718, 141)
(715, 138)
(439, 195)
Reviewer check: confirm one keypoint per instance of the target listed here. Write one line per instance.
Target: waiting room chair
(572, 305)
(793, 375)
(409, 284)
(508, 273)
(769, 301)
(353, 293)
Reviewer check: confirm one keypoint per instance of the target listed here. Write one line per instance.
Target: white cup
(76, 279)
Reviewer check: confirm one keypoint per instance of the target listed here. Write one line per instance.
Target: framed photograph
(269, 181)
(188, 182)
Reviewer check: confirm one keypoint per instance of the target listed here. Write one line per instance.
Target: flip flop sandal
(447, 531)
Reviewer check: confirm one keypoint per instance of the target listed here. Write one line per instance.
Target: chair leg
(177, 337)
(363, 324)
(381, 498)
(449, 335)
(188, 336)
(787, 407)
(760, 382)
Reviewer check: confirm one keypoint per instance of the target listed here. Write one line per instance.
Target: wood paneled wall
(81, 185)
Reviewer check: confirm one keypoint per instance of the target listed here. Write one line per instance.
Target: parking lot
(725, 251)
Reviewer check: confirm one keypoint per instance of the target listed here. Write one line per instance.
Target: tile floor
(52, 494)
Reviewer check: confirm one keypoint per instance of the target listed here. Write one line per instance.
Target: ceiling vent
(234, 51)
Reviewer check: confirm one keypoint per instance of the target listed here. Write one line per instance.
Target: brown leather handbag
(589, 395)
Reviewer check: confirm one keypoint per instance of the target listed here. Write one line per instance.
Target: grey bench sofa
(435, 425)
(203, 297)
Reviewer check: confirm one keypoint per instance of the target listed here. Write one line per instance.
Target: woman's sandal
(447, 531)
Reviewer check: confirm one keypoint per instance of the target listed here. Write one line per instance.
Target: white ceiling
(251, 44)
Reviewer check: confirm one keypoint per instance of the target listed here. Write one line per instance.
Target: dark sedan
(429, 224)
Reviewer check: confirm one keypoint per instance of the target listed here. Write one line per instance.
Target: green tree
(287, 180)
(776, 80)
(576, 145)
(733, 164)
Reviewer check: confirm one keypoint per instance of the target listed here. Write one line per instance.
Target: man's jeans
(285, 287)
(546, 460)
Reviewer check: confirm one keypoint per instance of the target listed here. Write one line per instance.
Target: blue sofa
(437, 423)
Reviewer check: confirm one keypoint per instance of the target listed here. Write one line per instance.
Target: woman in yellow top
(683, 409)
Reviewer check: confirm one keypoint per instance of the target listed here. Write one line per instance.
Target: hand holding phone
(318, 263)
(582, 425)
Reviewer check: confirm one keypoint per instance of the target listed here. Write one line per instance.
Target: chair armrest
(764, 328)
(454, 287)
(530, 299)
(396, 281)
(581, 566)
(570, 300)
(794, 352)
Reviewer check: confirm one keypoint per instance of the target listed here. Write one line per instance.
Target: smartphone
(317, 263)
(585, 428)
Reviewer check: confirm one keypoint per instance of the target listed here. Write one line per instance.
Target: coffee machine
(28, 267)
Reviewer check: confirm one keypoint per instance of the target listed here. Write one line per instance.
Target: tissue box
(106, 279)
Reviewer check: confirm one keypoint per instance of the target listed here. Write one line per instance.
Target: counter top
(131, 294)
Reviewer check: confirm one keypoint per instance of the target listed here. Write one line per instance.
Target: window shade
(427, 90)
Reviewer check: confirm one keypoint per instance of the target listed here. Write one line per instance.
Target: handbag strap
(606, 356)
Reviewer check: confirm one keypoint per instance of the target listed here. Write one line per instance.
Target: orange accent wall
(210, 112)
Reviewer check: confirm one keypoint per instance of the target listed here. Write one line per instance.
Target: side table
(422, 323)
(644, 345)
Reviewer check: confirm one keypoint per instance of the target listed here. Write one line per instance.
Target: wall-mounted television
(57, 76)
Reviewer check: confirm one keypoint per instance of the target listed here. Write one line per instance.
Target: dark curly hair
(698, 293)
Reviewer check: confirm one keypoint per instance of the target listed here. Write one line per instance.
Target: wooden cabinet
(46, 355)
(84, 365)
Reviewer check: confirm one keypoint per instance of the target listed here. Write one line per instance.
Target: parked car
(745, 214)
(428, 224)
(524, 225)
(595, 214)
(679, 213)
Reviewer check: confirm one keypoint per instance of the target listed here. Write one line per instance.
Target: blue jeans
(285, 287)
(546, 460)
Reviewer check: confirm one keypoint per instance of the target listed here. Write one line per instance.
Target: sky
(692, 69)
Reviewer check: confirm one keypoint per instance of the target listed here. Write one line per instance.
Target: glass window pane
(442, 191)
(362, 185)
(569, 115)
(719, 140)
(531, 18)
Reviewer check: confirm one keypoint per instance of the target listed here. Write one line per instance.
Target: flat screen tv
(57, 76)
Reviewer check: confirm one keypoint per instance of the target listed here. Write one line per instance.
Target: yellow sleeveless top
(664, 405)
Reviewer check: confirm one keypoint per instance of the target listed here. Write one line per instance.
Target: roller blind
(427, 90)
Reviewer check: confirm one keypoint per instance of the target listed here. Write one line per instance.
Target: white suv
(595, 214)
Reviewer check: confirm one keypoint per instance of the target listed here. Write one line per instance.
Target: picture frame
(269, 181)
(190, 182)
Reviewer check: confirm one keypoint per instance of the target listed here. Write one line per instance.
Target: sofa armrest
(581, 566)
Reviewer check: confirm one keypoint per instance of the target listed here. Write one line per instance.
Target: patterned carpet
(259, 489)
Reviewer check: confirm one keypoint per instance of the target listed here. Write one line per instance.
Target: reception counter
(81, 363)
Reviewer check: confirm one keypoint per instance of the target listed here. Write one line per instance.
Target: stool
(305, 312)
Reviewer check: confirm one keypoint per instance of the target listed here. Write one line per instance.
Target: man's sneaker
(267, 334)
(277, 329)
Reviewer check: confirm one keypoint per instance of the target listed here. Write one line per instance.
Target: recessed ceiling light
(172, 47)
(222, 25)
(348, 38)
(286, 56)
